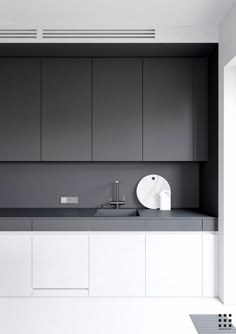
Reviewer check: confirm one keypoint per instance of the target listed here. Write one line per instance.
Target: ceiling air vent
(18, 33)
(98, 33)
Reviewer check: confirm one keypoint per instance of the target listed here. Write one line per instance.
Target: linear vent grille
(18, 33)
(98, 33)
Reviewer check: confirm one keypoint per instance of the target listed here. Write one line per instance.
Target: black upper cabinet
(103, 109)
(66, 109)
(201, 109)
(117, 109)
(19, 109)
(168, 109)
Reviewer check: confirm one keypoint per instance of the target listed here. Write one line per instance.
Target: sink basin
(116, 213)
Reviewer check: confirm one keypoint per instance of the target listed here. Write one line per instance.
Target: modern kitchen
(110, 180)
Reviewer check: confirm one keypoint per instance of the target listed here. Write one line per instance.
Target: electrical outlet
(70, 200)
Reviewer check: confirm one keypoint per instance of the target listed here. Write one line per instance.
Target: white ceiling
(112, 13)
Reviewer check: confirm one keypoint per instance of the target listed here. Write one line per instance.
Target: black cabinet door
(167, 109)
(19, 109)
(117, 109)
(201, 109)
(66, 109)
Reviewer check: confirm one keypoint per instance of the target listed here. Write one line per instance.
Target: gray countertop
(90, 213)
(76, 219)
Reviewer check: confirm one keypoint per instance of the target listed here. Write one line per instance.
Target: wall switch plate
(70, 200)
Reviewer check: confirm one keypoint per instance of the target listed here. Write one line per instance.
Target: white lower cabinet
(60, 263)
(109, 264)
(210, 264)
(174, 264)
(117, 264)
(15, 264)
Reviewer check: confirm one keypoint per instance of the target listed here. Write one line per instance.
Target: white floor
(110, 315)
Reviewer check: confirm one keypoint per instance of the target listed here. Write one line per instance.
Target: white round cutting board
(149, 189)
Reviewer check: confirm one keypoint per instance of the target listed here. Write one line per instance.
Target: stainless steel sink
(116, 213)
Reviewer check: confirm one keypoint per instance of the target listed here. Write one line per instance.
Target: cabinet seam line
(202, 268)
(41, 111)
(32, 294)
(142, 108)
(145, 264)
(193, 90)
(88, 265)
(91, 135)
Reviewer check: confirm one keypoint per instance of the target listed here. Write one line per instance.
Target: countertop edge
(110, 224)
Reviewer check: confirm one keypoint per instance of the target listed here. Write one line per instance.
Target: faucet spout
(117, 202)
(117, 194)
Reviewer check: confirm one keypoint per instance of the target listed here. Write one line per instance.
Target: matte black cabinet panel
(19, 109)
(117, 109)
(66, 109)
(201, 109)
(167, 109)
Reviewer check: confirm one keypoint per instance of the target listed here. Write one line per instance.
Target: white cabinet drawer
(15, 264)
(117, 264)
(210, 264)
(60, 260)
(174, 264)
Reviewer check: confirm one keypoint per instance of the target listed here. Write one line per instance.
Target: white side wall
(229, 183)
(227, 143)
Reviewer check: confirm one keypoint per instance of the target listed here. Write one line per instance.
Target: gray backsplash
(42, 184)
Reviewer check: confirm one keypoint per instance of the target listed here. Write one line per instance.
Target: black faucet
(117, 202)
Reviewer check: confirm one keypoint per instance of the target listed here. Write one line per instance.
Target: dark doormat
(213, 323)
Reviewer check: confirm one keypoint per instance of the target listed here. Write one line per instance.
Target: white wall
(227, 165)
(229, 183)
(187, 34)
(227, 36)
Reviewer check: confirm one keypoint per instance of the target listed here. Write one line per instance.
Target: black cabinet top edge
(107, 49)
